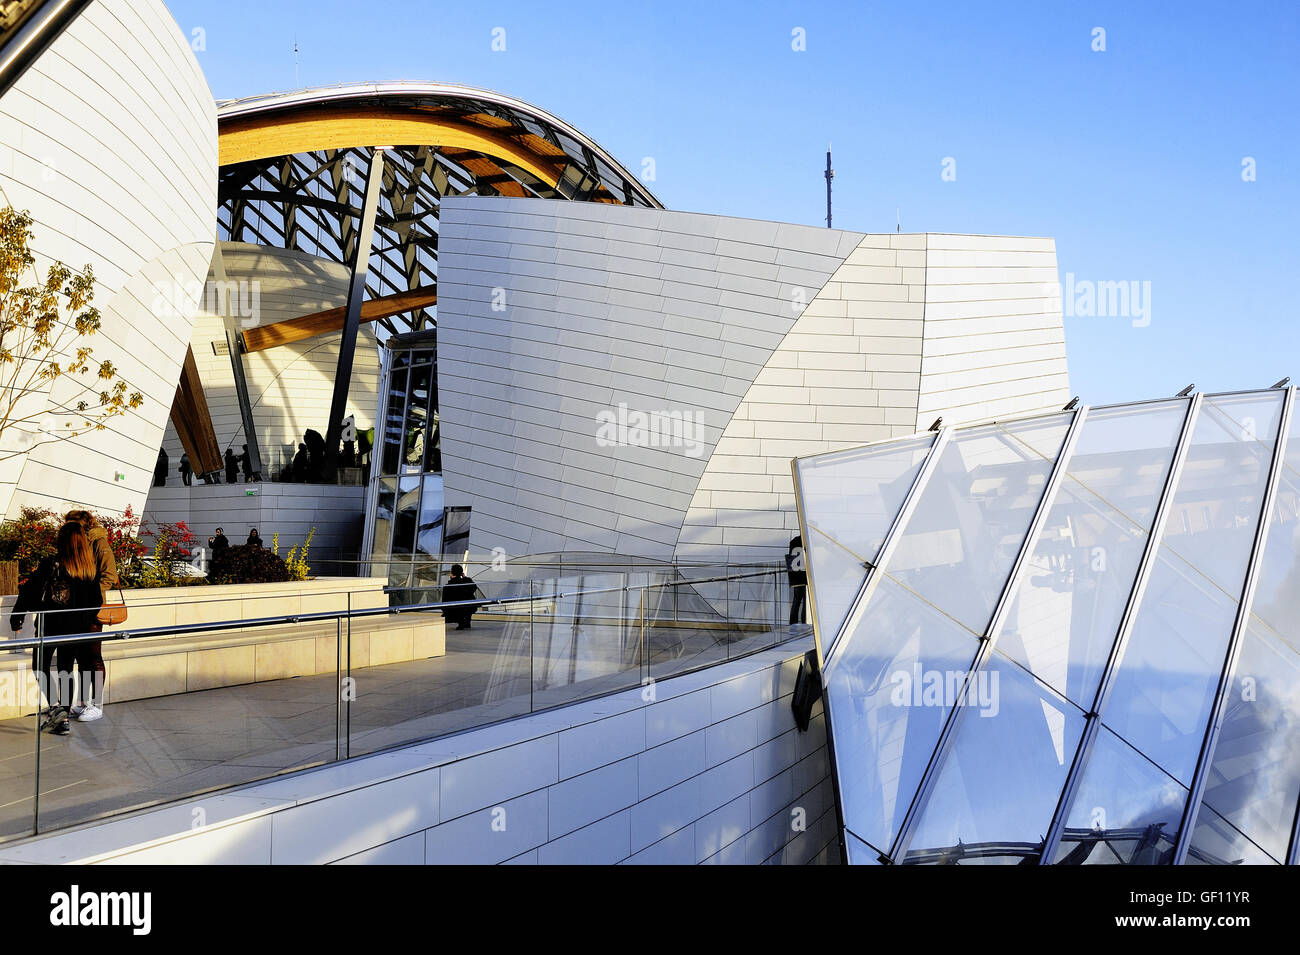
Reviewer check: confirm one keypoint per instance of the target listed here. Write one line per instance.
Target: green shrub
(247, 564)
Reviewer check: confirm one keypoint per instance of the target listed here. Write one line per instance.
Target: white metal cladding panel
(111, 145)
(598, 307)
(994, 341)
(290, 387)
(848, 372)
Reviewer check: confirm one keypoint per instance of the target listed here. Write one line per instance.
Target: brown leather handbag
(113, 613)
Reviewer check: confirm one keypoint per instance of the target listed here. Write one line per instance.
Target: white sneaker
(89, 714)
(77, 710)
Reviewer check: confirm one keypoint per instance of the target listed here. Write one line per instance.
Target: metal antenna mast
(830, 174)
(295, 63)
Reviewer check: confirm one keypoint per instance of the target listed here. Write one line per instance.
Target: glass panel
(385, 508)
(428, 541)
(1066, 614)
(993, 801)
(1215, 842)
(1165, 684)
(404, 527)
(889, 687)
(417, 419)
(973, 514)
(1125, 811)
(1254, 778)
(393, 419)
(850, 500)
(1277, 596)
(859, 852)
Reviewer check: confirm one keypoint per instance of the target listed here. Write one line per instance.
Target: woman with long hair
(89, 656)
(64, 589)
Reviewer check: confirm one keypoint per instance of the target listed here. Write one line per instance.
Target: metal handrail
(323, 615)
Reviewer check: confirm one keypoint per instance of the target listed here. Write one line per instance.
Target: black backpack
(57, 591)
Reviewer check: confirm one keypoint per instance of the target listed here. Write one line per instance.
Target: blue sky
(1131, 158)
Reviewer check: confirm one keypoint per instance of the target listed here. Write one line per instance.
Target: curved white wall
(111, 143)
(785, 340)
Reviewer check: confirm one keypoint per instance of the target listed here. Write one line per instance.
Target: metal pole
(338, 687)
(347, 714)
(1210, 742)
(352, 319)
(40, 670)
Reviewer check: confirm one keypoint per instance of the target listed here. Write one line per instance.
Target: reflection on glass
(417, 418)
(890, 686)
(850, 499)
(1215, 842)
(1164, 686)
(1254, 777)
(973, 514)
(385, 507)
(859, 852)
(1125, 810)
(393, 420)
(993, 800)
(1067, 610)
(1277, 596)
(429, 537)
(404, 526)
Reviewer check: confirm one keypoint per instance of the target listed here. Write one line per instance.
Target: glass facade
(406, 515)
(1067, 639)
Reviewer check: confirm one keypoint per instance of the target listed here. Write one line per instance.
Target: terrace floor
(149, 751)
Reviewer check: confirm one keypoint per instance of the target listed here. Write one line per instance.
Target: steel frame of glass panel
(989, 637)
(1244, 607)
(886, 548)
(1093, 724)
(1151, 548)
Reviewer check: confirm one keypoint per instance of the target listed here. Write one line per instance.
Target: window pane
(1277, 597)
(417, 415)
(1215, 842)
(429, 537)
(393, 418)
(889, 687)
(859, 852)
(1254, 777)
(850, 500)
(972, 516)
(384, 510)
(993, 801)
(408, 501)
(1066, 614)
(1165, 684)
(1125, 811)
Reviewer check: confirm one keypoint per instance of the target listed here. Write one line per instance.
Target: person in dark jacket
(232, 467)
(254, 538)
(797, 572)
(186, 471)
(459, 586)
(302, 464)
(220, 544)
(89, 656)
(64, 588)
(160, 469)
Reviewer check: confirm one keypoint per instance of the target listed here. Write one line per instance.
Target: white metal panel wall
(110, 142)
(848, 372)
(994, 339)
(551, 313)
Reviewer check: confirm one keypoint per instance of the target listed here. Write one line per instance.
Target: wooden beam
(193, 421)
(331, 319)
(262, 136)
